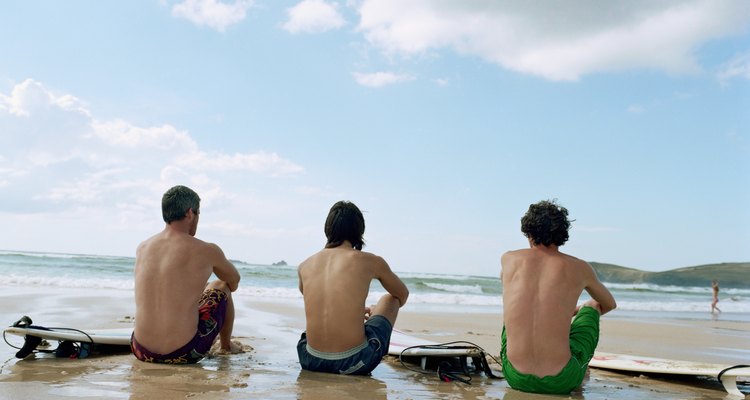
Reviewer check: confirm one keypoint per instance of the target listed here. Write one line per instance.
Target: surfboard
(404, 345)
(662, 366)
(73, 343)
(119, 336)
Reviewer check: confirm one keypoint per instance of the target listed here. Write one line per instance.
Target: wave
(681, 306)
(66, 282)
(475, 289)
(32, 254)
(427, 275)
(444, 298)
(269, 292)
(672, 289)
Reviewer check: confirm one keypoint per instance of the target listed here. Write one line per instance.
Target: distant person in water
(335, 283)
(179, 314)
(541, 350)
(715, 289)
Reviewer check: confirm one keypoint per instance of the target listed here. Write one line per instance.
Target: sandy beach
(271, 371)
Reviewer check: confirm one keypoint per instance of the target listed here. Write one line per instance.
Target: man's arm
(299, 278)
(599, 292)
(223, 269)
(390, 281)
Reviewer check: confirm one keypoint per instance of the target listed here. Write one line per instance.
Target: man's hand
(591, 303)
(368, 312)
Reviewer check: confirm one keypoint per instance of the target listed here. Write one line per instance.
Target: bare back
(171, 272)
(541, 287)
(335, 283)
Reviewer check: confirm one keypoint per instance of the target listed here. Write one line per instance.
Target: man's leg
(225, 335)
(584, 333)
(388, 307)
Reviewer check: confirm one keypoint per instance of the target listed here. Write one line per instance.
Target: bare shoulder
(375, 264)
(511, 256)
(146, 243)
(207, 251)
(308, 261)
(148, 246)
(370, 258)
(584, 267)
(513, 253)
(141, 247)
(573, 260)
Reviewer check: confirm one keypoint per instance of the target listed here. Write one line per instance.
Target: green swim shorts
(584, 336)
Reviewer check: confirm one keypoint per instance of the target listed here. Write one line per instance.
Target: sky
(442, 120)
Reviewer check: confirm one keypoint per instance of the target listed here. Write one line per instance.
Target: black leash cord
(52, 328)
(728, 369)
(448, 345)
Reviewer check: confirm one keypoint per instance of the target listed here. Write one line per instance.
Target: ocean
(428, 291)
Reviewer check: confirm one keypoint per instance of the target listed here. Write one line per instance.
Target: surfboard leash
(723, 371)
(71, 350)
(445, 370)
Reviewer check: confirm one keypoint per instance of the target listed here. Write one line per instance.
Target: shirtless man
(541, 350)
(179, 315)
(335, 283)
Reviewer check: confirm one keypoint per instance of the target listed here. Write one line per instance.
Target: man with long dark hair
(335, 283)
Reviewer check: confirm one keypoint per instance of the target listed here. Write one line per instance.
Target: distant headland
(729, 275)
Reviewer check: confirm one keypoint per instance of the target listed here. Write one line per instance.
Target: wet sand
(271, 371)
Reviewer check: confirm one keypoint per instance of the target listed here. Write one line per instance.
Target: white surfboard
(120, 336)
(651, 365)
(405, 345)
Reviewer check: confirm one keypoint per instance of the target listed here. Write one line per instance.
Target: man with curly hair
(542, 351)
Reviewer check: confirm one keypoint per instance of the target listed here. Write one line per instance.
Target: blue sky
(442, 120)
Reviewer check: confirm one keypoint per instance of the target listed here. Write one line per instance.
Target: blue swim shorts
(360, 360)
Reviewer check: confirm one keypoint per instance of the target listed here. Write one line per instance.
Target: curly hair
(345, 222)
(546, 223)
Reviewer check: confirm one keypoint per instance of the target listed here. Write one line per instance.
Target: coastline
(272, 326)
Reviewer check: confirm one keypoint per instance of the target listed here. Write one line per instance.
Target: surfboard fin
(730, 382)
(29, 345)
(24, 322)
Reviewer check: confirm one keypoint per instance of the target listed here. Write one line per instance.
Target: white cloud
(737, 67)
(26, 97)
(557, 43)
(30, 96)
(91, 187)
(39, 126)
(441, 82)
(636, 109)
(261, 163)
(55, 152)
(212, 13)
(313, 16)
(378, 79)
(165, 137)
